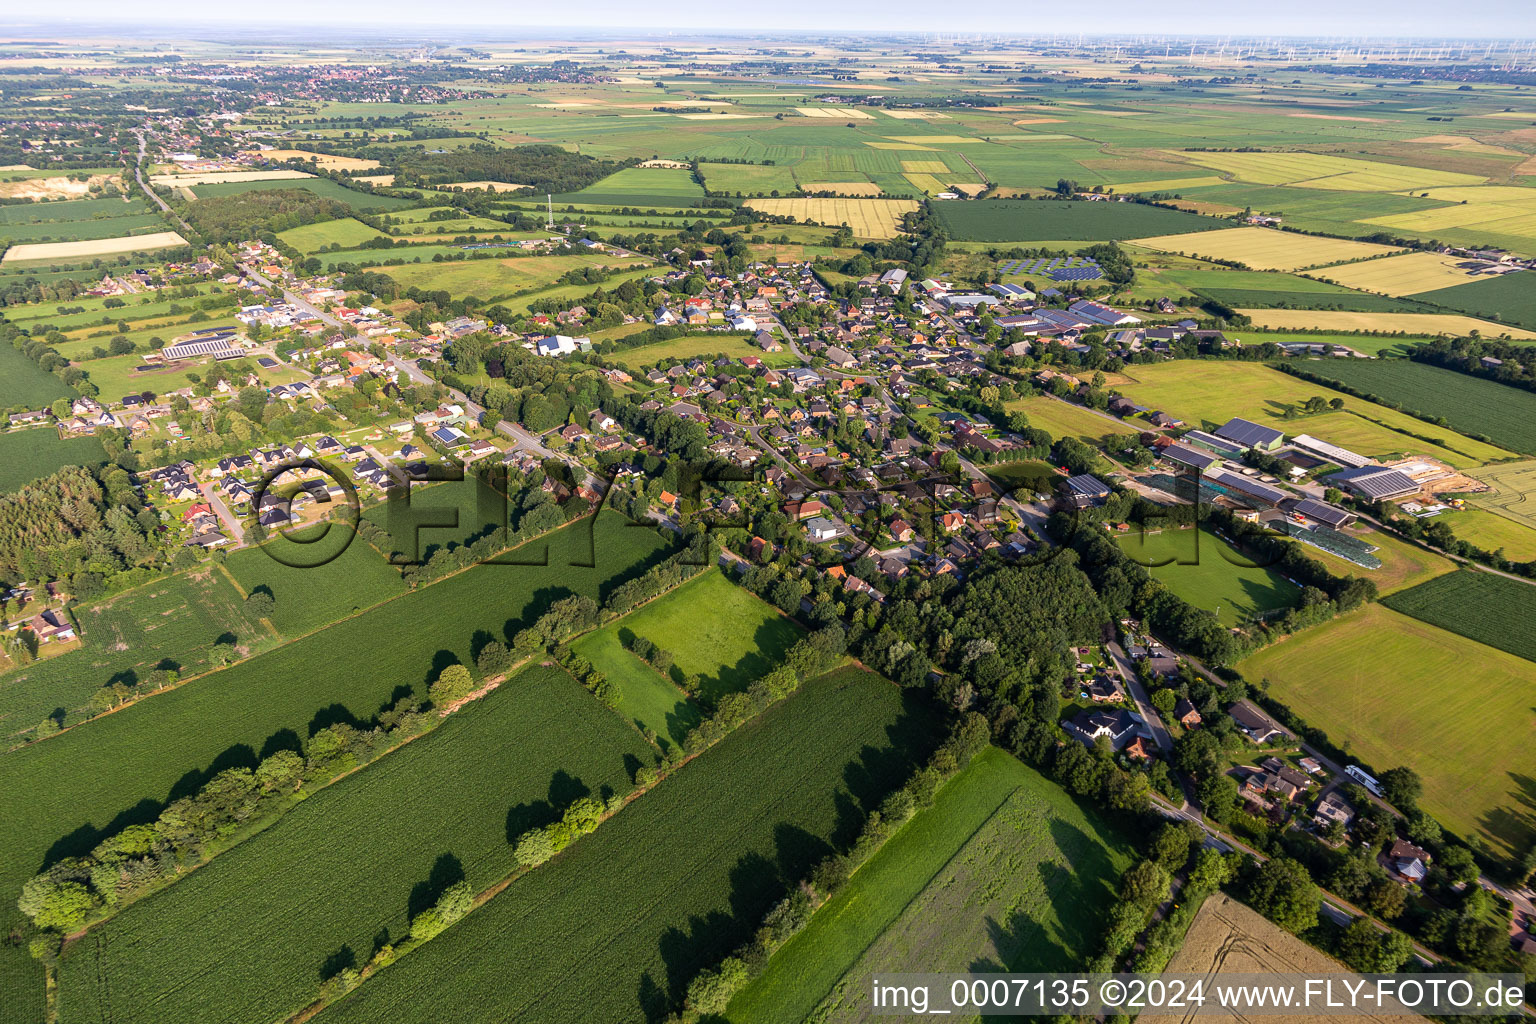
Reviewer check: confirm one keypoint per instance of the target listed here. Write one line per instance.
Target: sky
(452, 18)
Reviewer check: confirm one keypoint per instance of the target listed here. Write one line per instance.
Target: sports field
(1004, 868)
(1514, 491)
(615, 927)
(1212, 392)
(1315, 170)
(868, 218)
(1210, 574)
(1504, 414)
(244, 938)
(714, 629)
(1407, 274)
(1397, 691)
(1034, 220)
(71, 252)
(1406, 323)
(1264, 248)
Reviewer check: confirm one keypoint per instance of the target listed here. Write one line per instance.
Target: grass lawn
(690, 345)
(716, 630)
(23, 382)
(1394, 690)
(495, 280)
(1210, 392)
(1063, 419)
(346, 232)
(221, 944)
(1004, 872)
(27, 455)
(645, 698)
(615, 927)
(1491, 531)
(1210, 574)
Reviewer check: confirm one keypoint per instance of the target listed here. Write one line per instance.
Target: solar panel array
(1059, 268)
(1077, 274)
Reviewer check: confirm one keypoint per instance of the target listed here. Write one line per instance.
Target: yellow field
(1409, 323)
(916, 115)
(492, 186)
(930, 140)
(61, 187)
(376, 179)
(1315, 170)
(926, 183)
(846, 188)
(60, 251)
(1166, 184)
(1514, 492)
(323, 160)
(1264, 248)
(215, 177)
(1505, 209)
(869, 218)
(925, 166)
(843, 112)
(1407, 274)
(904, 146)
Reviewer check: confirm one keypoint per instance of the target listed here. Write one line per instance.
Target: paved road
(231, 523)
(1138, 694)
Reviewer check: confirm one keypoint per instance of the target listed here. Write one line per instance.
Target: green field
(1493, 532)
(1011, 220)
(690, 345)
(346, 232)
(645, 187)
(1210, 392)
(83, 230)
(1403, 563)
(350, 575)
(1064, 419)
(716, 630)
(172, 622)
(323, 187)
(1473, 405)
(68, 211)
(497, 280)
(1492, 610)
(24, 384)
(245, 937)
(1510, 298)
(645, 697)
(748, 179)
(1004, 870)
(1208, 573)
(58, 796)
(1396, 691)
(616, 926)
(26, 455)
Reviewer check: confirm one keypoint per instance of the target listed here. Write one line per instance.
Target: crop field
(615, 927)
(325, 161)
(171, 622)
(1492, 610)
(72, 252)
(1015, 220)
(26, 455)
(690, 345)
(845, 188)
(1264, 248)
(750, 179)
(220, 946)
(645, 697)
(1004, 869)
(346, 232)
(714, 629)
(69, 211)
(1210, 574)
(1210, 393)
(1496, 214)
(1514, 491)
(23, 382)
(1505, 415)
(1408, 274)
(869, 218)
(57, 796)
(494, 280)
(323, 187)
(1510, 298)
(100, 227)
(1493, 532)
(641, 186)
(1228, 936)
(1386, 684)
(1314, 170)
(1406, 323)
(226, 177)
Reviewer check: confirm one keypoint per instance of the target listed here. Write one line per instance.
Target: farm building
(1250, 434)
(1246, 487)
(1331, 452)
(1212, 443)
(1377, 483)
(216, 345)
(1084, 490)
(1324, 513)
(1190, 458)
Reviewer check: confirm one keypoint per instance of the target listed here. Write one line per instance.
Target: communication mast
(549, 214)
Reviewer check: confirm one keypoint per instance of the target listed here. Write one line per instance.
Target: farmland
(1004, 869)
(1064, 419)
(749, 179)
(492, 280)
(1011, 220)
(1313, 170)
(1493, 532)
(172, 622)
(307, 596)
(1264, 248)
(218, 946)
(615, 927)
(868, 218)
(1503, 414)
(1493, 610)
(345, 232)
(1213, 392)
(323, 187)
(1514, 491)
(117, 768)
(1209, 574)
(223, 177)
(1510, 298)
(1406, 323)
(74, 252)
(717, 631)
(645, 698)
(26, 455)
(1407, 274)
(1384, 683)
(24, 383)
(1403, 563)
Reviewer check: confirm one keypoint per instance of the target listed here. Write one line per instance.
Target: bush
(453, 684)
